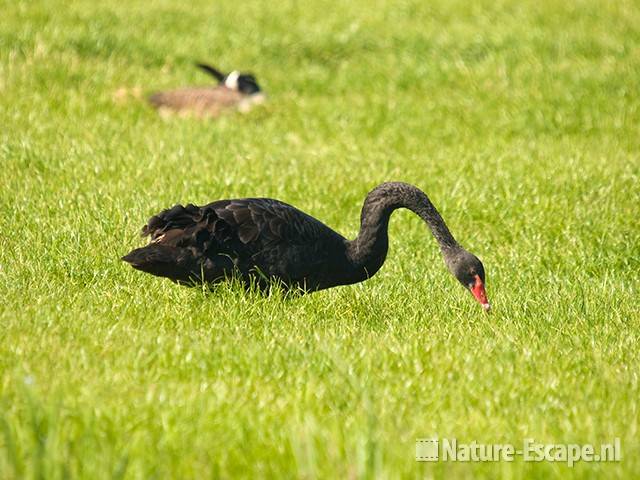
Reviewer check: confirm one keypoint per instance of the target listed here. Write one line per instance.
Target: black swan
(261, 239)
(239, 91)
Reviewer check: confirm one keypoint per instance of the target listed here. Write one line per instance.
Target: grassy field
(521, 120)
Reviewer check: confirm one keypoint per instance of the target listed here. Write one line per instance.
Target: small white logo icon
(427, 449)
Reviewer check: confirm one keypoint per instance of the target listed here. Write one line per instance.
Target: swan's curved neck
(369, 249)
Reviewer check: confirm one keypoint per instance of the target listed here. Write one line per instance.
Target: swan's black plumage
(261, 239)
(257, 237)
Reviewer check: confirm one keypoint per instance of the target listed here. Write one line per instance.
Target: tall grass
(521, 121)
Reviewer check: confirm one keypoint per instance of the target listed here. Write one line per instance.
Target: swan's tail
(175, 263)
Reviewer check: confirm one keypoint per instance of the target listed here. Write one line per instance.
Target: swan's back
(258, 237)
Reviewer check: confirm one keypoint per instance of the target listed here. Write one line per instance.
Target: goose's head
(242, 82)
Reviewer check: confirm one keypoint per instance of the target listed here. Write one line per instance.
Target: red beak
(478, 291)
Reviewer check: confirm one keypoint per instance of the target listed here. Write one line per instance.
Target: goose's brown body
(204, 101)
(201, 101)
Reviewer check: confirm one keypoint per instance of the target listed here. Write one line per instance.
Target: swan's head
(469, 271)
(242, 82)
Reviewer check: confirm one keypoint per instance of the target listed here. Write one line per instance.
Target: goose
(234, 91)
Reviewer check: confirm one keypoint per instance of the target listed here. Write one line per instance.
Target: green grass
(521, 120)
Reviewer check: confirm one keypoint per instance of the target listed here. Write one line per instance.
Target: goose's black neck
(218, 75)
(369, 250)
